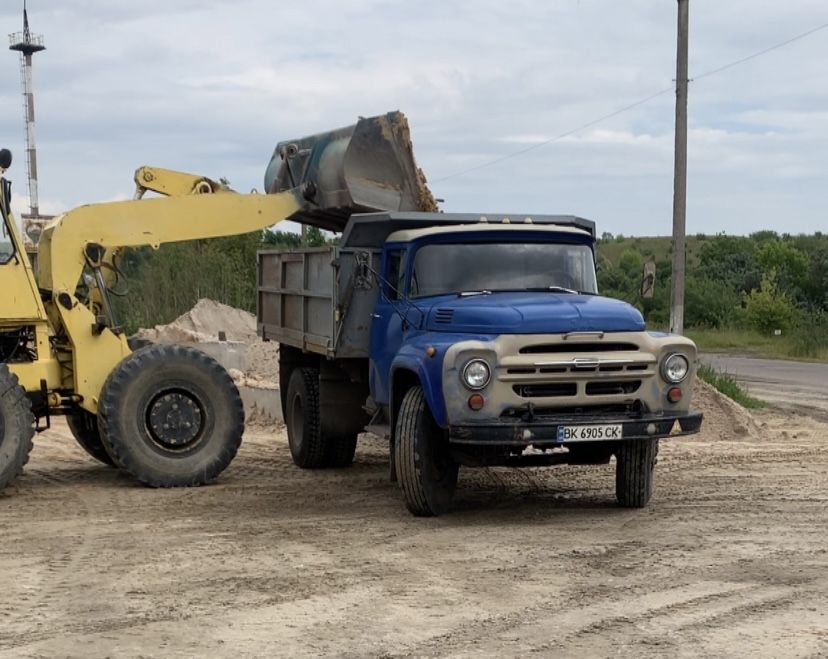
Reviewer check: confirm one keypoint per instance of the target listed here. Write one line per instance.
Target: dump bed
(318, 299)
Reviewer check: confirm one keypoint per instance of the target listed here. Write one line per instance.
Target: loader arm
(91, 231)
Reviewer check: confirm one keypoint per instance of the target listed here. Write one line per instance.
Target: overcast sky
(210, 86)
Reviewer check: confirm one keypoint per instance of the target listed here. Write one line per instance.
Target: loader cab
(7, 247)
(20, 301)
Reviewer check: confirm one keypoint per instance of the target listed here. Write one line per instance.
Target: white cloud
(210, 87)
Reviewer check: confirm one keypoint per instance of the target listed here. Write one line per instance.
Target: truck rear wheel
(171, 416)
(304, 425)
(634, 472)
(84, 428)
(426, 472)
(341, 450)
(16, 427)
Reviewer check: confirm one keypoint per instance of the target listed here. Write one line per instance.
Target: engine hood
(532, 313)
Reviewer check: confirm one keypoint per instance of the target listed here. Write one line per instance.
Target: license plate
(588, 433)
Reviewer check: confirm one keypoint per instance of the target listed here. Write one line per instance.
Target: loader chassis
(64, 352)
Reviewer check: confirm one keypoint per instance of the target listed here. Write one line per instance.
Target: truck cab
(476, 340)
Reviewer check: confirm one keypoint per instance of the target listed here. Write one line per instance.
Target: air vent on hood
(443, 316)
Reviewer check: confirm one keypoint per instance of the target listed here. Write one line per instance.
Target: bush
(768, 308)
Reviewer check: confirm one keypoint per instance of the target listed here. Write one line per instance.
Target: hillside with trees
(751, 285)
(762, 283)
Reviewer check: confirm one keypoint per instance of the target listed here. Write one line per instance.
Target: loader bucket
(362, 168)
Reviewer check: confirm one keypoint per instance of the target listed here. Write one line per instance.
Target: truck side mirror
(5, 158)
(648, 280)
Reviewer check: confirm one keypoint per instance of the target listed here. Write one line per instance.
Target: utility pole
(680, 174)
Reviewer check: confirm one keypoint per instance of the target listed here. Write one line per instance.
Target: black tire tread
(14, 398)
(341, 450)
(408, 474)
(84, 428)
(313, 442)
(634, 478)
(115, 387)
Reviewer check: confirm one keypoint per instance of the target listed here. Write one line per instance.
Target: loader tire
(171, 416)
(16, 427)
(426, 472)
(84, 428)
(304, 426)
(635, 471)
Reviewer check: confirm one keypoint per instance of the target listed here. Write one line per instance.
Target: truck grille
(553, 348)
(564, 371)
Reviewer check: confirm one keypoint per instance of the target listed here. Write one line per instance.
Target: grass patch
(806, 344)
(727, 385)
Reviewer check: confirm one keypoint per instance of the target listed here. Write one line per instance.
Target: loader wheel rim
(175, 420)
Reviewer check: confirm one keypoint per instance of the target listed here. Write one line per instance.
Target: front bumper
(544, 431)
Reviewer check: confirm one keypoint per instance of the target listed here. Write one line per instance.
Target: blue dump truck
(463, 339)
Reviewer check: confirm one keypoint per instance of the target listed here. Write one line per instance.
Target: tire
(341, 450)
(426, 473)
(171, 416)
(304, 425)
(84, 428)
(634, 472)
(16, 427)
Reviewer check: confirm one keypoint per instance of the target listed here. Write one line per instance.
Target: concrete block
(261, 405)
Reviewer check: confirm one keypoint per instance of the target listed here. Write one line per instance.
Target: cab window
(395, 274)
(6, 245)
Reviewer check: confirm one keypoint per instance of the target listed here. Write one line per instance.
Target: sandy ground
(731, 557)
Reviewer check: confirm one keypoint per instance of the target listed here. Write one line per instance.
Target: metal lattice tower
(27, 44)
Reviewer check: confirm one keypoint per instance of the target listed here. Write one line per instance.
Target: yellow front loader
(169, 415)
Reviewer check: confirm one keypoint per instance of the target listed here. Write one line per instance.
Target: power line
(760, 53)
(513, 154)
(631, 106)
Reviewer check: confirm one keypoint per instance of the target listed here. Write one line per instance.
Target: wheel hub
(175, 420)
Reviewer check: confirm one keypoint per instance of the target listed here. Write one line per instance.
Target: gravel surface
(729, 559)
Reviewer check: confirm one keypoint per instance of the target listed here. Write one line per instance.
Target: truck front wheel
(634, 472)
(426, 472)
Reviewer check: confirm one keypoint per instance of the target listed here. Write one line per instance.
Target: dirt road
(731, 558)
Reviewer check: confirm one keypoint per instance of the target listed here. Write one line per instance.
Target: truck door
(386, 325)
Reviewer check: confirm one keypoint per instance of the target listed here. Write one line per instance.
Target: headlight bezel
(464, 372)
(664, 367)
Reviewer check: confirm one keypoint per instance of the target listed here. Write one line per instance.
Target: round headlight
(675, 368)
(476, 374)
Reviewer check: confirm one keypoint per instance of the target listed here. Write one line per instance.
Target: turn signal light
(674, 394)
(476, 402)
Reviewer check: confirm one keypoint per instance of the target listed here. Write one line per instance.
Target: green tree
(789, 264)
(768, 308)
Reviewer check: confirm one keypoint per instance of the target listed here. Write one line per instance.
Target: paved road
(793, 386)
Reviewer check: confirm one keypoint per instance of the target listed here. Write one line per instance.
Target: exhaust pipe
(363, 168)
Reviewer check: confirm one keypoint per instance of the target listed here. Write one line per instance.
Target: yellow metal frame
(80, 357)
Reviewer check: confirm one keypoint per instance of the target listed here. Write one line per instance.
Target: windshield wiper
(561, 289)
(473, 293)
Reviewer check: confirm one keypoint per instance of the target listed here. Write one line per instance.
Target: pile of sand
(724, 419)
(203, 323)
(206, 321)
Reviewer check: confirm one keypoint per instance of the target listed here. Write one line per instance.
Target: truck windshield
(441, 269)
